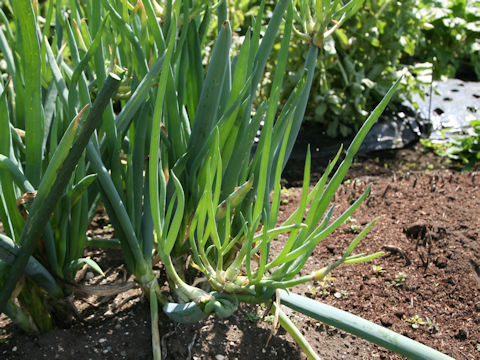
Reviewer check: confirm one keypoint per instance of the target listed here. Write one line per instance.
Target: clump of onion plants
(44, 204)
(210, 193)
(194, 192)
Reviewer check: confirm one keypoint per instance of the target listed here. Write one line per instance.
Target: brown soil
(428, 224)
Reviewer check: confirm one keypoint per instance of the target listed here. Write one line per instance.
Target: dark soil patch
(428, 225)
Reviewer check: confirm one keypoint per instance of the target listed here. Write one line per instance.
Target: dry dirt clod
(461, 334)
(441, 262)
(416, 231)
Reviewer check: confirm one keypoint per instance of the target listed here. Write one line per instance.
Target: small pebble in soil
(386, 321)
(440, 262)
(399, 314)
(219, 357)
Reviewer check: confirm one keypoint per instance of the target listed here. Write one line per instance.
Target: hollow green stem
(361, 327)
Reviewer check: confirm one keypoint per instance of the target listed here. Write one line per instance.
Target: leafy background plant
(359, 62)
(450, 37)
(461, 148)
(362, 58)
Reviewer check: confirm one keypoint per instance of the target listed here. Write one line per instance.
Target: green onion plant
(43, 133)
(195, 187)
